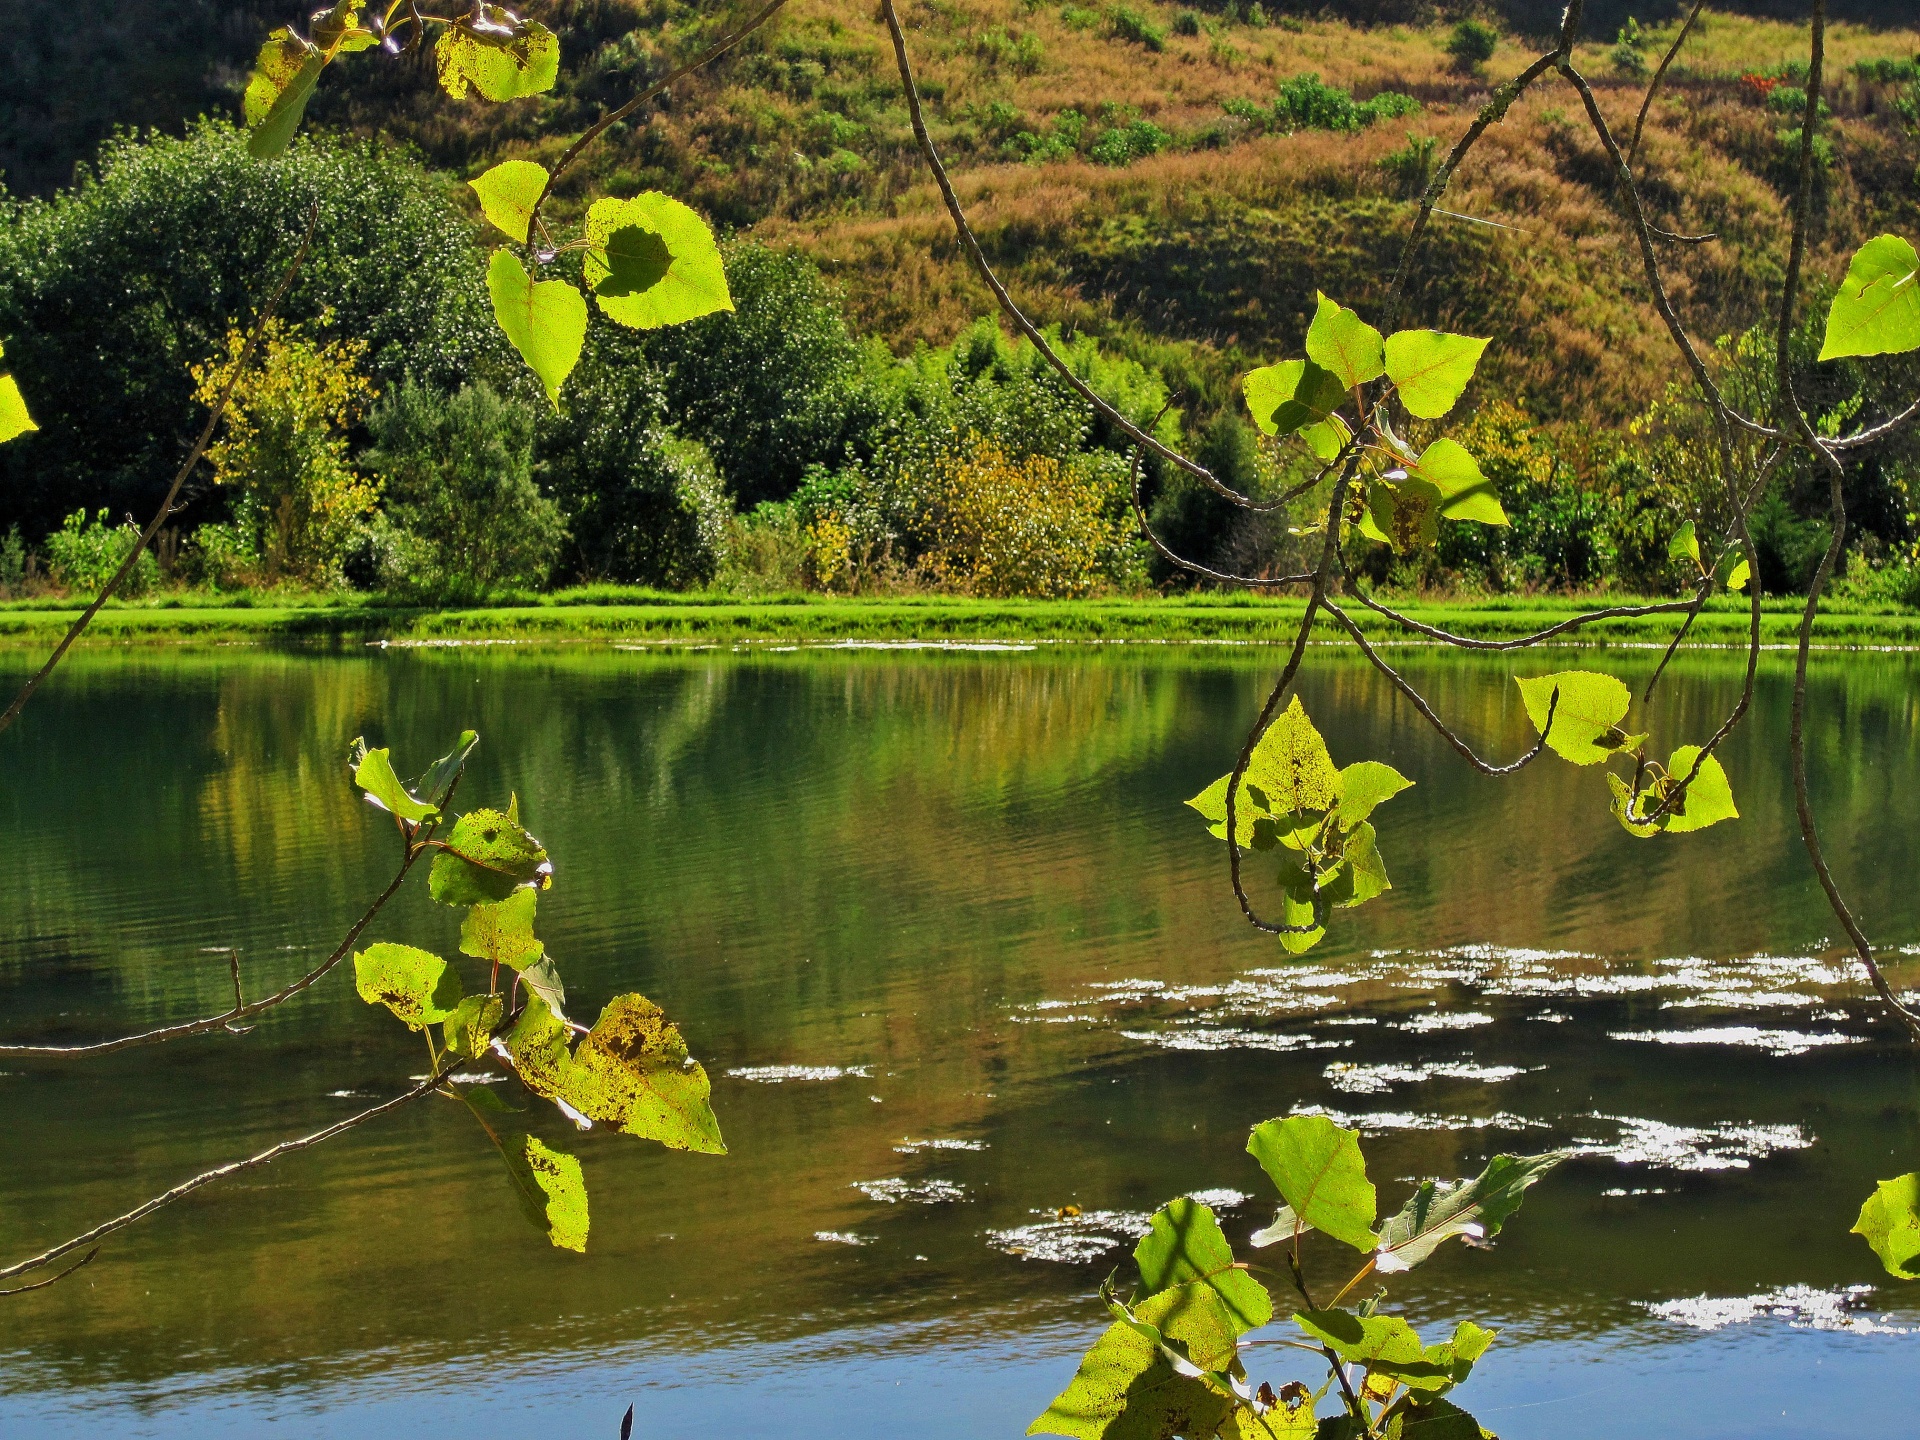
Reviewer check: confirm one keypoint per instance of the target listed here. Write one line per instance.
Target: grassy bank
(608, 614)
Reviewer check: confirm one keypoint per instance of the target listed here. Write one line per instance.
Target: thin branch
(1693, 613)
(1464, 642)
(1653, 85)
(1193, 566)
(971, 244)
(221, 1172)
(1419, 702)
(239, 1011)
(52, 1279)
(1877, 432)
(612, 117)
(161, 515)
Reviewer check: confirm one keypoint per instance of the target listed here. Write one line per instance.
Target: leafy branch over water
(630, 1071)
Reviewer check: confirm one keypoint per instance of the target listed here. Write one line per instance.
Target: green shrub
(220, 556)
(1124, 144)
(1079, 17)
(1411, 167)
(456, 476)
(1126, 23)
(109, 291)
(13, 561)
(1472, 43)
(84, 554)
(1187, 22)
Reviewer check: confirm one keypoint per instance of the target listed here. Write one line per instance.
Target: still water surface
(956, 957)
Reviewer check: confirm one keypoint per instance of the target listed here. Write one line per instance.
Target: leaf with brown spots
(633, 1071)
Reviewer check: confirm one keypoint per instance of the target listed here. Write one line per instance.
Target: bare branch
(613, 117)
(85, 1259)
(1876, 432)
(971, 244)
(179, 479)
(1193, 566)
(1427, 711)
(1653, 86)
(1464, 642)
(221, 1172)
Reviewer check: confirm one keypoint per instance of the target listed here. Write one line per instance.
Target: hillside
(1203, 248)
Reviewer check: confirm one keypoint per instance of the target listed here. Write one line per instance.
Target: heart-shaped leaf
(651, 261)
(1877, 309)
(1285, 397)
(545, 320)
(417, 985)
(496, 52)
(1317, 1168)
(1465, 493)
(1430, 368)
(14, 419)
(1340, 341)
(508, 192)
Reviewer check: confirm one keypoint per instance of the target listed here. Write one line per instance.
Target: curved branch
(1464, 642)
(161, 515)
(971, 244)
(1427, 711)
(1653, 85)
(612, 117)
(220, 1172)
(239, 1011)
(1875, 432)
(1194, 566)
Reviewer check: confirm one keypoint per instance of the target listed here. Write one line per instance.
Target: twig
(612, 117)
(971, 244)
(220, 1172)
(1653, 85)
(1693, 613)
(180, 478)
(52, 1279)
(1464, 642)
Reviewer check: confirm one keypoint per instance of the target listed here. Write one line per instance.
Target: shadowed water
(956, 957)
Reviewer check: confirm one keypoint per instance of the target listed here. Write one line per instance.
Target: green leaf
(1440, 1211)
(1365, 784)
(1212, 804)
(1622, 806)
(498, 54)
(1340, 341)
(1685, 544)
(1709, 798)
(537, 1045)
(1890, 1223)
(471, 1025)
(1128, 1388)
(1586, 720)
(1291, 766)
(1184, 1244)
(543, 980)
(1283, 398)
(14, 420)
(503, 931)
(1318, 1170)
(1440, 1367)
(1300, 905)
(546, 321)
(652, 261)
(488, 857)
(434, 786)
(1414, 1417)
(1362, 1340)
(633, 1071)
(1363, 874)
(1737, 577)
(1327, 439)
(1285, 1226)
(284, 75)
(508, 192)
(1877, 309)
(1431, 368)
(1407, 513)
(374, 774)
(418, 986)
(563, 1192)
(1465, 493)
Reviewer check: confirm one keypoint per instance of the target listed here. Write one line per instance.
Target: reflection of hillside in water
(966, 886)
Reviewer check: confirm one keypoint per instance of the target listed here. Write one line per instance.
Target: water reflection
(958, 960)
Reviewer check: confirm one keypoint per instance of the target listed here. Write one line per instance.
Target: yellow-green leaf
(508, 192)
(545, 320)
(1737, 577)
(1407, 513)
(1317, 1168)
(1890, 1223)
(1285, 397)
(537, 1045)
(652, 261)
(633, 1071)
(471, 1025)
(561, 1191)
(1685, 544)
(1365, 784)
(1291, 766)
(502, 931)
(500, 55)
(1340, 341)
(1624, 808)
(284, 74)
(1465, 493)
(1586, 720)
(1184, 1244)
(416, 985)
(1709, 798)
(375, 775)
(1431, 368)
(14, 419)
(1877, 308)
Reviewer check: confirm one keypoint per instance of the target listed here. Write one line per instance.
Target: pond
(957, 958)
